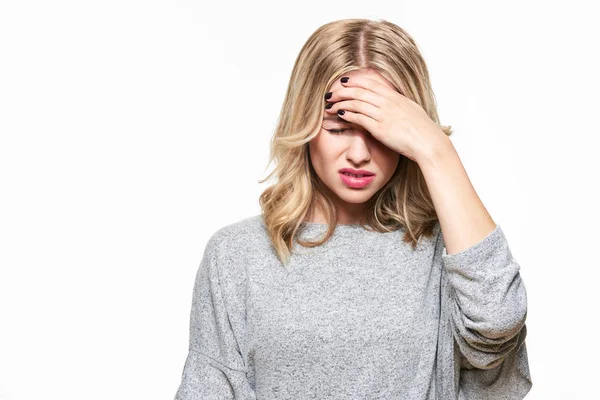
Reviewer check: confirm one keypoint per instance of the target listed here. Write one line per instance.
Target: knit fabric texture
(363, 316)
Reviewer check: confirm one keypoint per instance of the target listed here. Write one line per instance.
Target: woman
(374, 271)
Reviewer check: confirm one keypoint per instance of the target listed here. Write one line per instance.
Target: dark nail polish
(329, 105)
(344, 79)
(341, 112)
(327, 95)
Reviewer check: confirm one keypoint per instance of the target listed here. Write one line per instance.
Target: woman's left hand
(393, 119)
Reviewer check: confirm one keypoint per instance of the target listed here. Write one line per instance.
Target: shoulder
(233, 249)
(249, 225)
(240, 237)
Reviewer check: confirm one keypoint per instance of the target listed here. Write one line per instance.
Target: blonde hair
(332, 50)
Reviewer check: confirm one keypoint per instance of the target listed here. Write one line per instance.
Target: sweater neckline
(342, 232)
(325, 225)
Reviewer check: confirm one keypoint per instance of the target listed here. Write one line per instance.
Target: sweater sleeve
(488, 309)
(214, 368)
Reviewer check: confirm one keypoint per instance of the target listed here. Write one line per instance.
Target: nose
(359, 147)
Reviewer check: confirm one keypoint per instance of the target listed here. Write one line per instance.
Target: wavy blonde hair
(332, 50)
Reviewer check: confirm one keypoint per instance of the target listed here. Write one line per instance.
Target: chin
(356, 196)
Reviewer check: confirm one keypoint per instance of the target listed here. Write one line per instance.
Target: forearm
(463, 217)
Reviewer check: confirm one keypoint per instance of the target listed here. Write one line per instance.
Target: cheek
(392, 161)
(325, 146)
(316, 154)
(388, 162)
(323, 155)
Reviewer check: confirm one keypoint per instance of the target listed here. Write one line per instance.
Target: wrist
(437, 153)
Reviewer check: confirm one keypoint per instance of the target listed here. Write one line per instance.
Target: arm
(487, 300)
(485, 306)
(490, 302)
(214, 368)
(463, 217)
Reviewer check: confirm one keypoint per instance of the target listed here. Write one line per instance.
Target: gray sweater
(361, 317)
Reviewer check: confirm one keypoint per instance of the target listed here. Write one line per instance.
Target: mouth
(356, 180)
(356, 173)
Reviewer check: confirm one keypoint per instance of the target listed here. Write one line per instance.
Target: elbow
(504, 323)
(483, 353)
(492, 321)
(508, 317)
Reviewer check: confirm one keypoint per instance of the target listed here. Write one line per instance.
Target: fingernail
(344, 79)
(327, 95)
(341, 112)
(329, 105)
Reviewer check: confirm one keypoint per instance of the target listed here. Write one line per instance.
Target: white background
(132, 130)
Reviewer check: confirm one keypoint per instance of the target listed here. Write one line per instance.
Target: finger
(371, 85)
(361, 94)
(357, 106)
(359, 119)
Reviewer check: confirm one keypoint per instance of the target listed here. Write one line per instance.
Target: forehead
(334, 118)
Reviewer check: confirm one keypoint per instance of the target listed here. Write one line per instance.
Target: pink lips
(355, 182)
(356, 171)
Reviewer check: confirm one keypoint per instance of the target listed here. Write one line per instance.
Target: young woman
(374, 271)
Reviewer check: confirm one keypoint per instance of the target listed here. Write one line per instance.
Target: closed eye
(336, 131)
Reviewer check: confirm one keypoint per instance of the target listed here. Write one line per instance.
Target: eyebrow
(340, 120)
(335, 118)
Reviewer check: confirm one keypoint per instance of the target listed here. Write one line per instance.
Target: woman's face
(353, 148)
